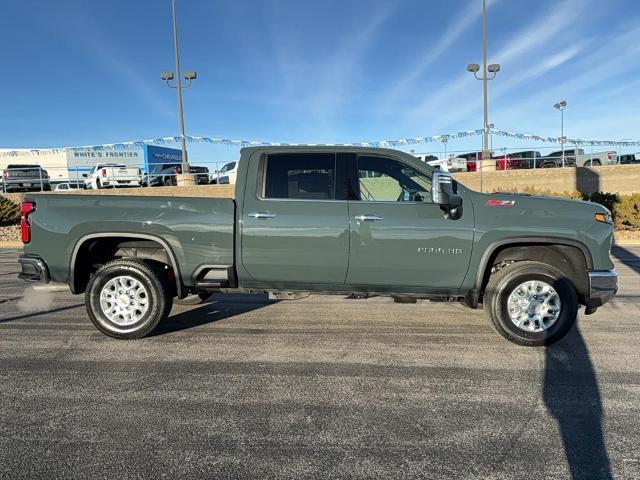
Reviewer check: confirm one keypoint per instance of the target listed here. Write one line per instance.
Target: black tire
(196, 299)
(504, 282)
(594, 163)
(549, 165)
(98, 184)
(159, 298)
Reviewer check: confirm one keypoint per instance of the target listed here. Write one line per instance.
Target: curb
(627, 242)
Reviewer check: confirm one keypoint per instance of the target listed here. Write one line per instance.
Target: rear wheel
(593, 163)
(531, 303)
(126, 299)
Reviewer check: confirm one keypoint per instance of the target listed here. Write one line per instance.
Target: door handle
(368, 218)
(261, 215)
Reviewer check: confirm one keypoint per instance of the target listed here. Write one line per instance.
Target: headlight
(604, 218)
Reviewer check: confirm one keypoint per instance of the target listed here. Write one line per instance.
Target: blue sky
(87, 72)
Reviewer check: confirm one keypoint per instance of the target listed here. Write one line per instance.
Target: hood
(543, 201)
(535, 213)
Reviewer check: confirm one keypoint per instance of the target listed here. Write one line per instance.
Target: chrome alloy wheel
(534, 306)
(124, 300)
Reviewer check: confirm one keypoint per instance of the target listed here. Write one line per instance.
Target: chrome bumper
(33, 269)
(603, 285)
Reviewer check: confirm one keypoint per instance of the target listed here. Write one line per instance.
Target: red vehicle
(502, 163)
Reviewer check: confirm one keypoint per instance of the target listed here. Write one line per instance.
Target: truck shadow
(587, 181)
(627, 257)
(216, 308)
(571, 395)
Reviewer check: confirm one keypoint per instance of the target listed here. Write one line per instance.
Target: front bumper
(34, 269)
(603, 285)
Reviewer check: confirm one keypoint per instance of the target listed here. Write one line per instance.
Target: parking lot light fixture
(488, 73)
(561, 105)
(179, 86)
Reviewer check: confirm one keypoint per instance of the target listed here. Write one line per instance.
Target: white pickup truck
(226, 175)
(583, 159)
(113, 175)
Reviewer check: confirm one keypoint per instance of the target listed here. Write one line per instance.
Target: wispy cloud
(604, 71)
(131, 79)
(116, 62)
(535, 42)
(323, 86)
(458, 26)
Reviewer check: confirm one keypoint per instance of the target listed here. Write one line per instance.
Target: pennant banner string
(381, 143)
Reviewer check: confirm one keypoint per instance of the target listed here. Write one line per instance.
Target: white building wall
(68, 164)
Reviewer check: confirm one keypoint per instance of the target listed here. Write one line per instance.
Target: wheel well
(568, 259)
(92, 253)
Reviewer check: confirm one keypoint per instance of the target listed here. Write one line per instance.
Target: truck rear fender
(100, 248)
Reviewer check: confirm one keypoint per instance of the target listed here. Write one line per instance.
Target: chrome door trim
(368, 218)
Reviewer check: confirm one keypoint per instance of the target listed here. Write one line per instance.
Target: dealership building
(74, 164)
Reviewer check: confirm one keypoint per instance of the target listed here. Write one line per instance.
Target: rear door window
(304, 176)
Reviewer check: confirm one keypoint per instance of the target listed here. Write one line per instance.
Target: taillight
(103, 172)
(25, 226)
(5, 174)
(610, 155)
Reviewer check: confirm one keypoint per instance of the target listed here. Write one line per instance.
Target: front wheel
(531, 303)
(126, 299)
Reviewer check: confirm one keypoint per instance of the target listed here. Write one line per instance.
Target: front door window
(386, 180)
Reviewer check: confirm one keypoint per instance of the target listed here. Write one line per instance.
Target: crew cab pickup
(113, 175)
(577, 157)
(330, 220)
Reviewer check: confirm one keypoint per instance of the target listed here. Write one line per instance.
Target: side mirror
(442, 193)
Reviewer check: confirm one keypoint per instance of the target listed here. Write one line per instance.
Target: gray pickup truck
(330, 220)
(18, 177)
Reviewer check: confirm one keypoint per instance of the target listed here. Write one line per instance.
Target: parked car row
(111, 175)
(534, 159)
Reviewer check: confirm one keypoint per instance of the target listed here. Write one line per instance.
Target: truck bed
(195, 223)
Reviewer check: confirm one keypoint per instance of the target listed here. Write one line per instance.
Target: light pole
(446, 160)
(189, 77)
(561, 105)
(491, 127)
(493, 69)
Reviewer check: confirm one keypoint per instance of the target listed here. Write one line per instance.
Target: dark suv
(167, 175)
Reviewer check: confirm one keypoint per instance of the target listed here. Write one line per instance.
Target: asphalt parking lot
(322, 387)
